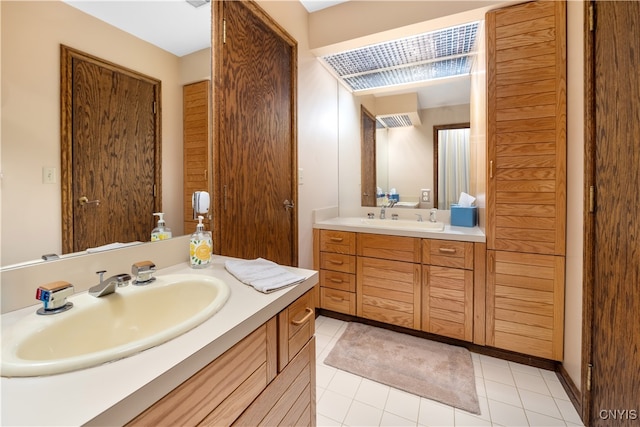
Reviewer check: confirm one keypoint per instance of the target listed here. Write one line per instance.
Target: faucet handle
(433, 215)
(143, 270)
(419, 217)
(54, 297)
(101, 274)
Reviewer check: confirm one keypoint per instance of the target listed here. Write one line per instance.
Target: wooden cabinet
(526, 189)
(268, 378)
(337, 252)
(388, 279)
(447, 288)
(196, 138)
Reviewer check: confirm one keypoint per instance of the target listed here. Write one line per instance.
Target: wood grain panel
(547, 123)
(336, 300)
(338, 280)
(389, 247)
(525, 27)
(531, 160)
(196, 138)
(338, 262)
(520, 100)
(448, 301)
(525, 174)
(530, 38)
(525, 222)
(537, 210)
(524, 77)
(388, 291)
(523, 13)
(194, 399)
(256, 160)
(516, 53)
(524, 64)
(528, 112)
(524, 344)
(506, 138)
(537, 86)
(341, 242)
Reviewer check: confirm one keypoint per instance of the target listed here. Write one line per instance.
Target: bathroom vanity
(408, 276)
(252, 360)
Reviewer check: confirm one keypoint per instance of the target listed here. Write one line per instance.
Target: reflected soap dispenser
(200, 246)
(161, 232)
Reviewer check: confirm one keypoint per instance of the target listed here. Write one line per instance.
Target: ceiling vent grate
(428, 56)
(401, 120)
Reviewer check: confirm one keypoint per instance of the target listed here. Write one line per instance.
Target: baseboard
(538, 362)
(570, 387)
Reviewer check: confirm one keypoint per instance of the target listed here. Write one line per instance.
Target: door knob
(85, 201)
(288, 204)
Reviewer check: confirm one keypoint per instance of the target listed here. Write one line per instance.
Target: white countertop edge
(115, 392)
(466, 234)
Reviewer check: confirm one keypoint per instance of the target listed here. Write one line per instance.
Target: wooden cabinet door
(195, 149)
(526, 95)
(389, 291)
(525, 303)
(447, 301)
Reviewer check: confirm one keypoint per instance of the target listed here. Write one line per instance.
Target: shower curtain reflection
(453, 165)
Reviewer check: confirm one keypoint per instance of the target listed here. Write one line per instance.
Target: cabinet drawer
(338, 262)
(296, 326)
(447, 253)
(341, 242)
(338, 280)
(336, 300)
(395, 248)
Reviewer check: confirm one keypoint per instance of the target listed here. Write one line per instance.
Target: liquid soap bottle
(200, 246)
(161, 232)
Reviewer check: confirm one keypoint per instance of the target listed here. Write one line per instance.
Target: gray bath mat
(426, 368)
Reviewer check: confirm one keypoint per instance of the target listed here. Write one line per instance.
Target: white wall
(575, 192)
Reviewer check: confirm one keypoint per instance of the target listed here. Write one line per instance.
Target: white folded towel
(264, 275)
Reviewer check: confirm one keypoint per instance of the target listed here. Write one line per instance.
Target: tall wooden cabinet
(526, 190)
(196, 129)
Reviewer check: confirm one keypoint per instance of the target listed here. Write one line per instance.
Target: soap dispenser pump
(161, 232)
(200, 246)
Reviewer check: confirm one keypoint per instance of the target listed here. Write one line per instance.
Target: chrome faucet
(108, 286)
(388, 205)
(433, 215)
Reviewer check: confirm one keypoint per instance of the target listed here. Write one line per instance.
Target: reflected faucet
(108, 286)
(433, 215)
(391, 204)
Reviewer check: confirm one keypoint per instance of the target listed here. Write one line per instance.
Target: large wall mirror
(31, 35)
(408, 159)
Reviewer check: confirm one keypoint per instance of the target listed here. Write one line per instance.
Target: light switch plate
(48, 175)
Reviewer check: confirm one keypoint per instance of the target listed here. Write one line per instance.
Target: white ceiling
(179, 28)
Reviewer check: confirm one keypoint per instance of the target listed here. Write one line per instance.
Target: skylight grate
(438, 54)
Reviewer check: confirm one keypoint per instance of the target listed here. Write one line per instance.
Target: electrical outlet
(425, 195)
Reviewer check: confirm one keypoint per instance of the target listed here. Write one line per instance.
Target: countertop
(387, 227)
(115, 392)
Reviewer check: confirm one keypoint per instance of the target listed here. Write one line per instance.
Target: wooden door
(256, 158)
(615, 390)
(368, 150)
(110, 152)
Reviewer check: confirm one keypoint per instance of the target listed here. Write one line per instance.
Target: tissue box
(464, 216)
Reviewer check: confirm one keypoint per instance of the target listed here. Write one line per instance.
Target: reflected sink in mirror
(98, 330)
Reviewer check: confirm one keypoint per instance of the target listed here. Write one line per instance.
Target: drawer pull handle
(336, 262)
(334, 280)
(336, 298)
(306, 317)
(447, 250)
(337, 239)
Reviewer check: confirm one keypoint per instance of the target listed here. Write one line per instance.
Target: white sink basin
(98, 330)
(392, 224)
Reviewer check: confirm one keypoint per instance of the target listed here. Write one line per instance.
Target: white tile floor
(510, 394)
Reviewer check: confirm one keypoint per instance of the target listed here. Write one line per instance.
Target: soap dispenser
(200, 246)
(161, 232)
